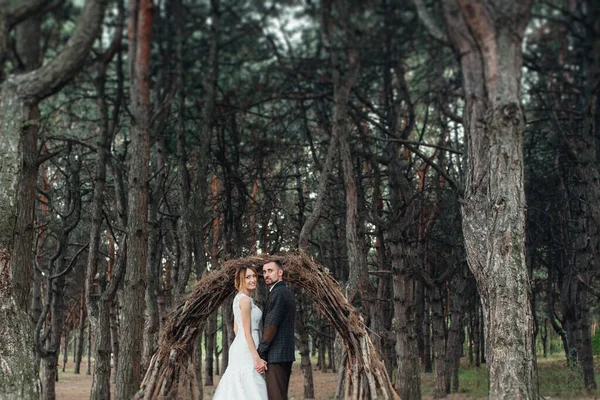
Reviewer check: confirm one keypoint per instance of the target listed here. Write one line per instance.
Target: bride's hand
(260, 365)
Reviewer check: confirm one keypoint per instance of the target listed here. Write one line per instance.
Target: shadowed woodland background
(439, 157)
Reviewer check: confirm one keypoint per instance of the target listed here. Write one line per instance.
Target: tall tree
(129, 373)
(487, 37)
(99, 297)
(20, 94)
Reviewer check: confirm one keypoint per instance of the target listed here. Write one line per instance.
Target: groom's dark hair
(279, 264)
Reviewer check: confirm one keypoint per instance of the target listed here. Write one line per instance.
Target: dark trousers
(278, 380)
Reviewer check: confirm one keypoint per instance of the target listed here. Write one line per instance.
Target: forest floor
(556, 381)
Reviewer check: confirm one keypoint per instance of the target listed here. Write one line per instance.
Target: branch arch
(171, 374)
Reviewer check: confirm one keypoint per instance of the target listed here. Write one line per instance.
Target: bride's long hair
(240, 276)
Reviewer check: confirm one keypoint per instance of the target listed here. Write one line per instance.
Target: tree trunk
(20, 379)
(114, 338)
(99, 297)
(57, 317)
(154, 249)
(100, 325)
(210, 334)
(305, 363)
(55, 307)
(356, 253)
(129, 374)
(438, 328)
(65, 344)
(36, 307)
(79, 336)
(227, 334)
(19, 97)
(586, 351)
(301, 317)
(455, 332)
(408, 383)
(488, 38)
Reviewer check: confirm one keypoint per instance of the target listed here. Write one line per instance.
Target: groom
(277, 346)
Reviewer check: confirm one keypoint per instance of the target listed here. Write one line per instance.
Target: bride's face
(250, 279)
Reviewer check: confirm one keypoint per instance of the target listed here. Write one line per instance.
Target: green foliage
(596, 343)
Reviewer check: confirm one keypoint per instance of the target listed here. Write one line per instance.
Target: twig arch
(171, 373)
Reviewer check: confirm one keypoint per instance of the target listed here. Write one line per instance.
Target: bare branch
(48, 79)
(429, 23)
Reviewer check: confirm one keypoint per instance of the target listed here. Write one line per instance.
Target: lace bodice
(255, 317)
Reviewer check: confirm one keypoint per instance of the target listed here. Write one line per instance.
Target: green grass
(554, 379)
(473, 382)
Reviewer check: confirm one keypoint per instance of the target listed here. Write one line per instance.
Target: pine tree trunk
(488, 36)
(408, 381)
(65, 344)
(154, 256)
(305, 363)
(455, 333)
(79, 336)
(100, 324)
(20, 379)
(129, 373)
(198, 358)
(114, 338)
(101, 279)
(426, 329)
(586, 350)
(438, 327)
(227, 334)
(55, 308)
(19, 97)
(210, 334)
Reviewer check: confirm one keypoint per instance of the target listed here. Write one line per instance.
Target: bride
(241, 379)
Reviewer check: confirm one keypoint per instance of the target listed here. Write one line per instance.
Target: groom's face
(272, 273)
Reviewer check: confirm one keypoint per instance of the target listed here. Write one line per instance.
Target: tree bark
(65, 345)
(153, 269)
(301, 317)
(19, 96)
(305, 362)
(78, 338)
(210, 333)
(408, 383)
(455, 332)
(129, 374)
(342, 85)
(487, 37)
(99, 297)
(438, 328)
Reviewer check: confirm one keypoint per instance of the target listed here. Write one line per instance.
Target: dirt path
(77, 387)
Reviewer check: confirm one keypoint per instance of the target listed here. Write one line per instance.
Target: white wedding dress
(240, 380)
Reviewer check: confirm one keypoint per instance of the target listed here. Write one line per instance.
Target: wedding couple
(250, 358)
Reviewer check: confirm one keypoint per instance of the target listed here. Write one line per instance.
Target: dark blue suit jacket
(278, 344)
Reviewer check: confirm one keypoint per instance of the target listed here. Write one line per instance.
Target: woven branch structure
(171, 373)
